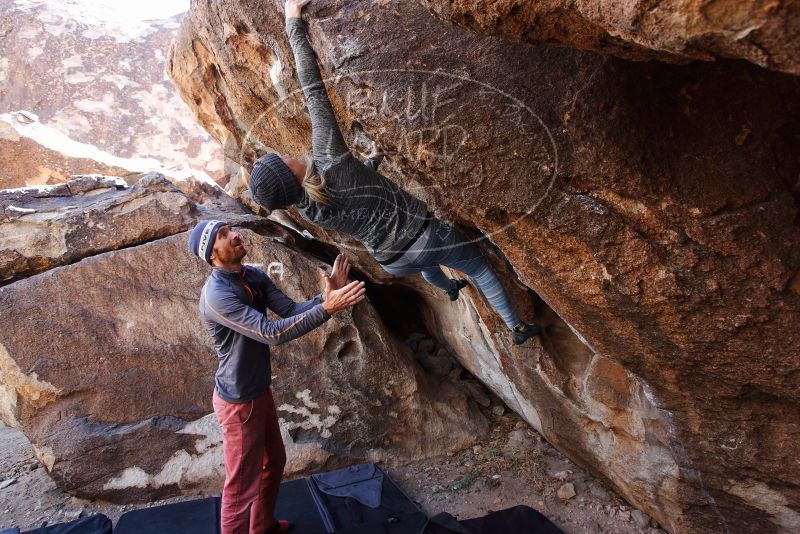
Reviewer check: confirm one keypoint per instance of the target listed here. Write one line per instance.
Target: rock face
(764, 33)
(652, 208)
(49, 226)
(106, 367)
(45, 226)
(101, 83)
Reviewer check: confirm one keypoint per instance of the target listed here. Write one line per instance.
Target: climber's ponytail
(314, 183)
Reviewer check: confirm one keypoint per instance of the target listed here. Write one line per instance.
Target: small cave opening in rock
(409, 318)
(400, 309)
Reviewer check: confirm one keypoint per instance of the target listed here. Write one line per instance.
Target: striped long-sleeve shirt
(233, 307)
(365, 204)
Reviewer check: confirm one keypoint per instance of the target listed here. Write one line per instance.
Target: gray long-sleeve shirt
(365, 204)
(233, 307)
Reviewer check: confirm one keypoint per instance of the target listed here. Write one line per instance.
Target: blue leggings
(441, 244)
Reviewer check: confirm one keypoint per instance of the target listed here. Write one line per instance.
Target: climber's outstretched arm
(326, 137)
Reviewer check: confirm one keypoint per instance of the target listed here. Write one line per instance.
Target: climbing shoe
(523, 331)
(459, 284)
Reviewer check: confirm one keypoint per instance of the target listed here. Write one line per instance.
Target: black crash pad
(201, 516)
(93, 524)
(359, 499)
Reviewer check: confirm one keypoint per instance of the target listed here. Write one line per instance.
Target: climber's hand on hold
(294, 7)
(340, 299)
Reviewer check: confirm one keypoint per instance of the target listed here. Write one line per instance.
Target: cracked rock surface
(652, 209)
(764, 33)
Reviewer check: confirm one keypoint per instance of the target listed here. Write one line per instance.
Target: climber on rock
(336, 191)
(233, 305)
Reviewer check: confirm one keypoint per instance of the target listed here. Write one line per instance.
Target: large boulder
(115, 397)
(764, 33)
(652, 208)
(107, 369)
(42, 227)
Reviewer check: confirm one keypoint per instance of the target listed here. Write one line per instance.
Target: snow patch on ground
(34, 52)
(27, 125)
(3, 69)
(107, 105)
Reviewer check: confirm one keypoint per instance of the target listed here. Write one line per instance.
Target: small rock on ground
(566, 491)
(640, 518)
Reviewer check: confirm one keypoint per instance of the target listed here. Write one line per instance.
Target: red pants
(254, 462)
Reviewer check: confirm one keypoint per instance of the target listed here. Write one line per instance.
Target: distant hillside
(100, 82)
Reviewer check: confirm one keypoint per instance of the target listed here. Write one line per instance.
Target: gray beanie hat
(272, 183)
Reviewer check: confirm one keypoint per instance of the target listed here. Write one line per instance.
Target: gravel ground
(513, 466)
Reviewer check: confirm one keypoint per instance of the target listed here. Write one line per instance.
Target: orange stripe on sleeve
(301, 317)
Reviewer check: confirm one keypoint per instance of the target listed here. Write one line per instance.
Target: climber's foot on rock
(458, 285)
(523, 331)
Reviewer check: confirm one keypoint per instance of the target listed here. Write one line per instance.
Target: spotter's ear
(213, 254)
